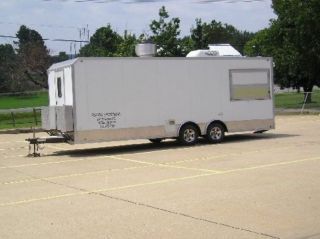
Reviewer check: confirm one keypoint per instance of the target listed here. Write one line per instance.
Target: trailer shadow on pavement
(165, 145)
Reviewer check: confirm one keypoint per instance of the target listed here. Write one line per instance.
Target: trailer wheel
(188, 135)
(156, 141)
(215, 133)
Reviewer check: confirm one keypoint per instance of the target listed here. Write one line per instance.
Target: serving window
(249, 84)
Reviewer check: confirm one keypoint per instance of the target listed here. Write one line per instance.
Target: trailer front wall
(65, 75)
(129, 98)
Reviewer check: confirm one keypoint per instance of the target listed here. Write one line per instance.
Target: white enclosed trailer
(108, 99)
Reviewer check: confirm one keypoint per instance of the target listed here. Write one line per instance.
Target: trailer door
(60, 88)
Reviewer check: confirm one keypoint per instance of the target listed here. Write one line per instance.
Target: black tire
(156, 141)
(188, 135)
(215, 133)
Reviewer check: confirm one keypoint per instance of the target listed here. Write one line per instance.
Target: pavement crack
(185, 215)
(154, 207)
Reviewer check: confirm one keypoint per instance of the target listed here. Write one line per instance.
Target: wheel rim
(216, 133)
(189, 135)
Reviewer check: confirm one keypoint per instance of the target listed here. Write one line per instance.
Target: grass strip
(19, 120)
(26, 100)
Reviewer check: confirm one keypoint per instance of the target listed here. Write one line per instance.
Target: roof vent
(215, 50)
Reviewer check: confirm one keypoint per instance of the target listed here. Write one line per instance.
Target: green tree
(259, 45)
(240, 39)
(197, 35)
(186, 45)
(165, 34)
(104, 42)
(299, 21)
(269, 42)
(8, 67)
(127, 45)
(62, 56)
(215, 32)
(294, 42)
(33, 57)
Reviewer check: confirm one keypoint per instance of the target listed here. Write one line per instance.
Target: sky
(63, 19)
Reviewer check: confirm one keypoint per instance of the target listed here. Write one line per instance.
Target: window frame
(59, 86)
(232, 85)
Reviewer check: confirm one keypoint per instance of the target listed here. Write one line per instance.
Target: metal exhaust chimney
(146, 49)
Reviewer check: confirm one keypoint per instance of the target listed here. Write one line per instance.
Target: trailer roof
(62, 64)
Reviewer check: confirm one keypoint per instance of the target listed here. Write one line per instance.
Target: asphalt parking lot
(251, 186)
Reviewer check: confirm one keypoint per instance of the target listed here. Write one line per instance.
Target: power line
(39, 25)
(47, 39)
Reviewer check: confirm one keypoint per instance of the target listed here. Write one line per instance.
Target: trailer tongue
(36, 144)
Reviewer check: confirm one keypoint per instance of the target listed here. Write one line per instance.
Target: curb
(280, 111)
